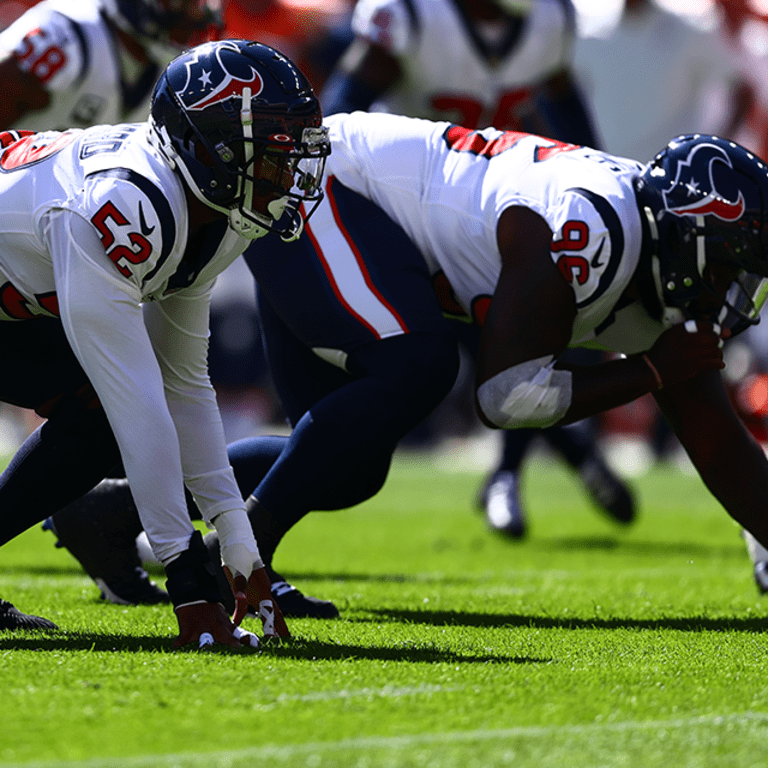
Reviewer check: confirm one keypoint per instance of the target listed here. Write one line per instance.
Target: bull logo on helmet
(216, 73)
(695, 178)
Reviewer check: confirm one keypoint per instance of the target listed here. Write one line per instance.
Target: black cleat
(99, 530)
(12, 618)
(607, 490)
(295, 604)
(138, 589)
(500, 499)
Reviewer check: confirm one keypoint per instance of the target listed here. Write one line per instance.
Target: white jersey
(94, 230)
(447, 188)
(68, 46)
(452, 71)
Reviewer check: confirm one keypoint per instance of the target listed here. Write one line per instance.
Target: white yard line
(261, 754)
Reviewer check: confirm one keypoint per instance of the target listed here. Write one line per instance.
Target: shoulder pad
(140, 220)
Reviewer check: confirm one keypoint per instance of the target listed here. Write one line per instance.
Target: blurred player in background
(93, 62)
(479, 63)
(312, 34)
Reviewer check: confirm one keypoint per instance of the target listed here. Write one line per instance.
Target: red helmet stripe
(723, 209)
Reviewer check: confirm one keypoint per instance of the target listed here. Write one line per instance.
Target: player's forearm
(601, 387)
(739, 482)
(726, 456)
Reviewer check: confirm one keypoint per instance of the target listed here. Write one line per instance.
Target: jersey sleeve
(139, 228)
(47, 46)
(179, 329)
(587, 244)
(103, 320)
(386, 23)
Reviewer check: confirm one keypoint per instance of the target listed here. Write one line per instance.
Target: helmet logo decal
(708, 200)
(213, 79)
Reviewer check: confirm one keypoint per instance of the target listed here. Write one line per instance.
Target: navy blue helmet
(243, 126)
(705, 200)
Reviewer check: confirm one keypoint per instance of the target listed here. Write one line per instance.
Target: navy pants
(359, 353)
(73, 450)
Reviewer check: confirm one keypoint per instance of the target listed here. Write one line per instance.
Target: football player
(110, 241)
(545, 246)
(65, 65)
(508, 65)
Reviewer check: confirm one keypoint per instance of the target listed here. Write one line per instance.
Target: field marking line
(215, 759)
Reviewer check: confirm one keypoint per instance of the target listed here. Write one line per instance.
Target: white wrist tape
(532, 394)
(238, 547)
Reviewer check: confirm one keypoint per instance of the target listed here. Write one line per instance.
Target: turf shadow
(60, 640)
(635, 547)
(752, 625)
(295, 648)
(409, 652)
(392, 578)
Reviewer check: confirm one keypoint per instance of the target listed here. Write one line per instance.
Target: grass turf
(585, 645)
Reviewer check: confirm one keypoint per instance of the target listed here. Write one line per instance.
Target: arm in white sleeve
(179, 328)
(103, 320)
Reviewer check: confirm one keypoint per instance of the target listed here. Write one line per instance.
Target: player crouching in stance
(546, 246)
(110, 241)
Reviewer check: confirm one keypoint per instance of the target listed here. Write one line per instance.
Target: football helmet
(244, 128)
(705, 204)
(165, 28)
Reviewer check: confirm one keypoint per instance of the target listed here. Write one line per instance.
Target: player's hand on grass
(207, 623)
(256, 591)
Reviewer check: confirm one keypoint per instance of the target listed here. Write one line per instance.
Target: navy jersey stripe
(80, 35)
(615, 232)
(504, 47)
(160, 204)
(414, 17)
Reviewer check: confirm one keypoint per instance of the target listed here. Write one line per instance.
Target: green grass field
(584, 646)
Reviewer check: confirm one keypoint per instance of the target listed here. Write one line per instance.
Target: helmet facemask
(274, 178)
(701, 274)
